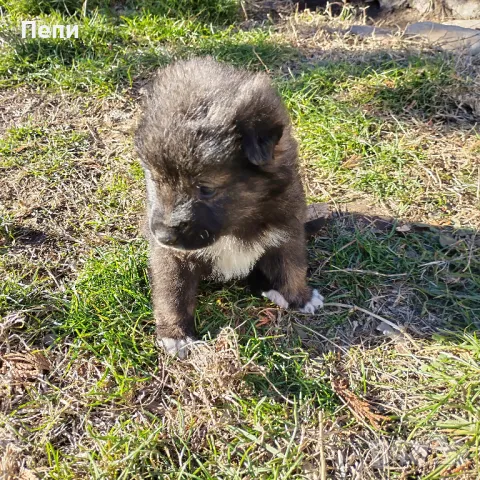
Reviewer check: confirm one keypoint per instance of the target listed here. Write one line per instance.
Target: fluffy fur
(224, 195)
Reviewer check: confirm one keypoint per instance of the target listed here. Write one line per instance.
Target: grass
(385, 130)
(113, 50)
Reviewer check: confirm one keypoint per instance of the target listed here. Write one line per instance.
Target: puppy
(224, 195)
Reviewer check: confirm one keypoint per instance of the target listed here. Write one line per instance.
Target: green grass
(110, 315)
(31, 149)
(390, 127)
(341, 116)
(213, 10)
(108, 319)
(342, 110)
(113, 49)
(107, 324)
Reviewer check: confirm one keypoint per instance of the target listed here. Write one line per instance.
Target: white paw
(315, 302)
(276, 297)
(177, 346)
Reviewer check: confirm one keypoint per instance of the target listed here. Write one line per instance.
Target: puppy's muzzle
(164, 234)
(183, 236)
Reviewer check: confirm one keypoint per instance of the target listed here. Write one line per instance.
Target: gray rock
(368, 31)
(448, 37)
(464, 8)
(422, 6)
(464, 23)
(389, 5)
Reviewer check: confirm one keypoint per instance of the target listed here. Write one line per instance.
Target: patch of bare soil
(75, 199)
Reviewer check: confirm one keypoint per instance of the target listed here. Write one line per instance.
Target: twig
(314, 332)
(369, 272)
(261, 61)
(354, 308)
(275, 388)
(323, 465)
(242, 4)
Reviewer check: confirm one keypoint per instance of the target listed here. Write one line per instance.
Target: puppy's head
(213, 142)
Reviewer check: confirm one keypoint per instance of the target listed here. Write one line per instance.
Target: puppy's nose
(167, 237)
(163, 233)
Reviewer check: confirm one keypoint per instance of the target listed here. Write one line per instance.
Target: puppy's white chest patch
(233, 258)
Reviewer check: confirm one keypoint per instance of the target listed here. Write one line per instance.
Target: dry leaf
(360, 408)
(460, 469)
(403, 228)
(390, 332)
(446, 240)
(352, 161)
(267, 317)
(23, 366)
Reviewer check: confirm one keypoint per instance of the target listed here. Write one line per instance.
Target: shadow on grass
(421, 278)
(217, 11)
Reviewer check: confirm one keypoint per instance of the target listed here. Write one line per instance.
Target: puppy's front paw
(276, 297)
(315, 302)
(177, 346)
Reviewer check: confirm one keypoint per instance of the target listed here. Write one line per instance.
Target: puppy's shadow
(380, 277)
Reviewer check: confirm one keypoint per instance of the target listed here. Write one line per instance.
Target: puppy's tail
(317, 217)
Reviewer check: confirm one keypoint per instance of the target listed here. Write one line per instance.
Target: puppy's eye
(205, 192)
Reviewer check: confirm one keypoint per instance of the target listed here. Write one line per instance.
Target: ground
(384, 382)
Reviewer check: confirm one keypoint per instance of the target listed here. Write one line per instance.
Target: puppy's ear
(259, 144)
